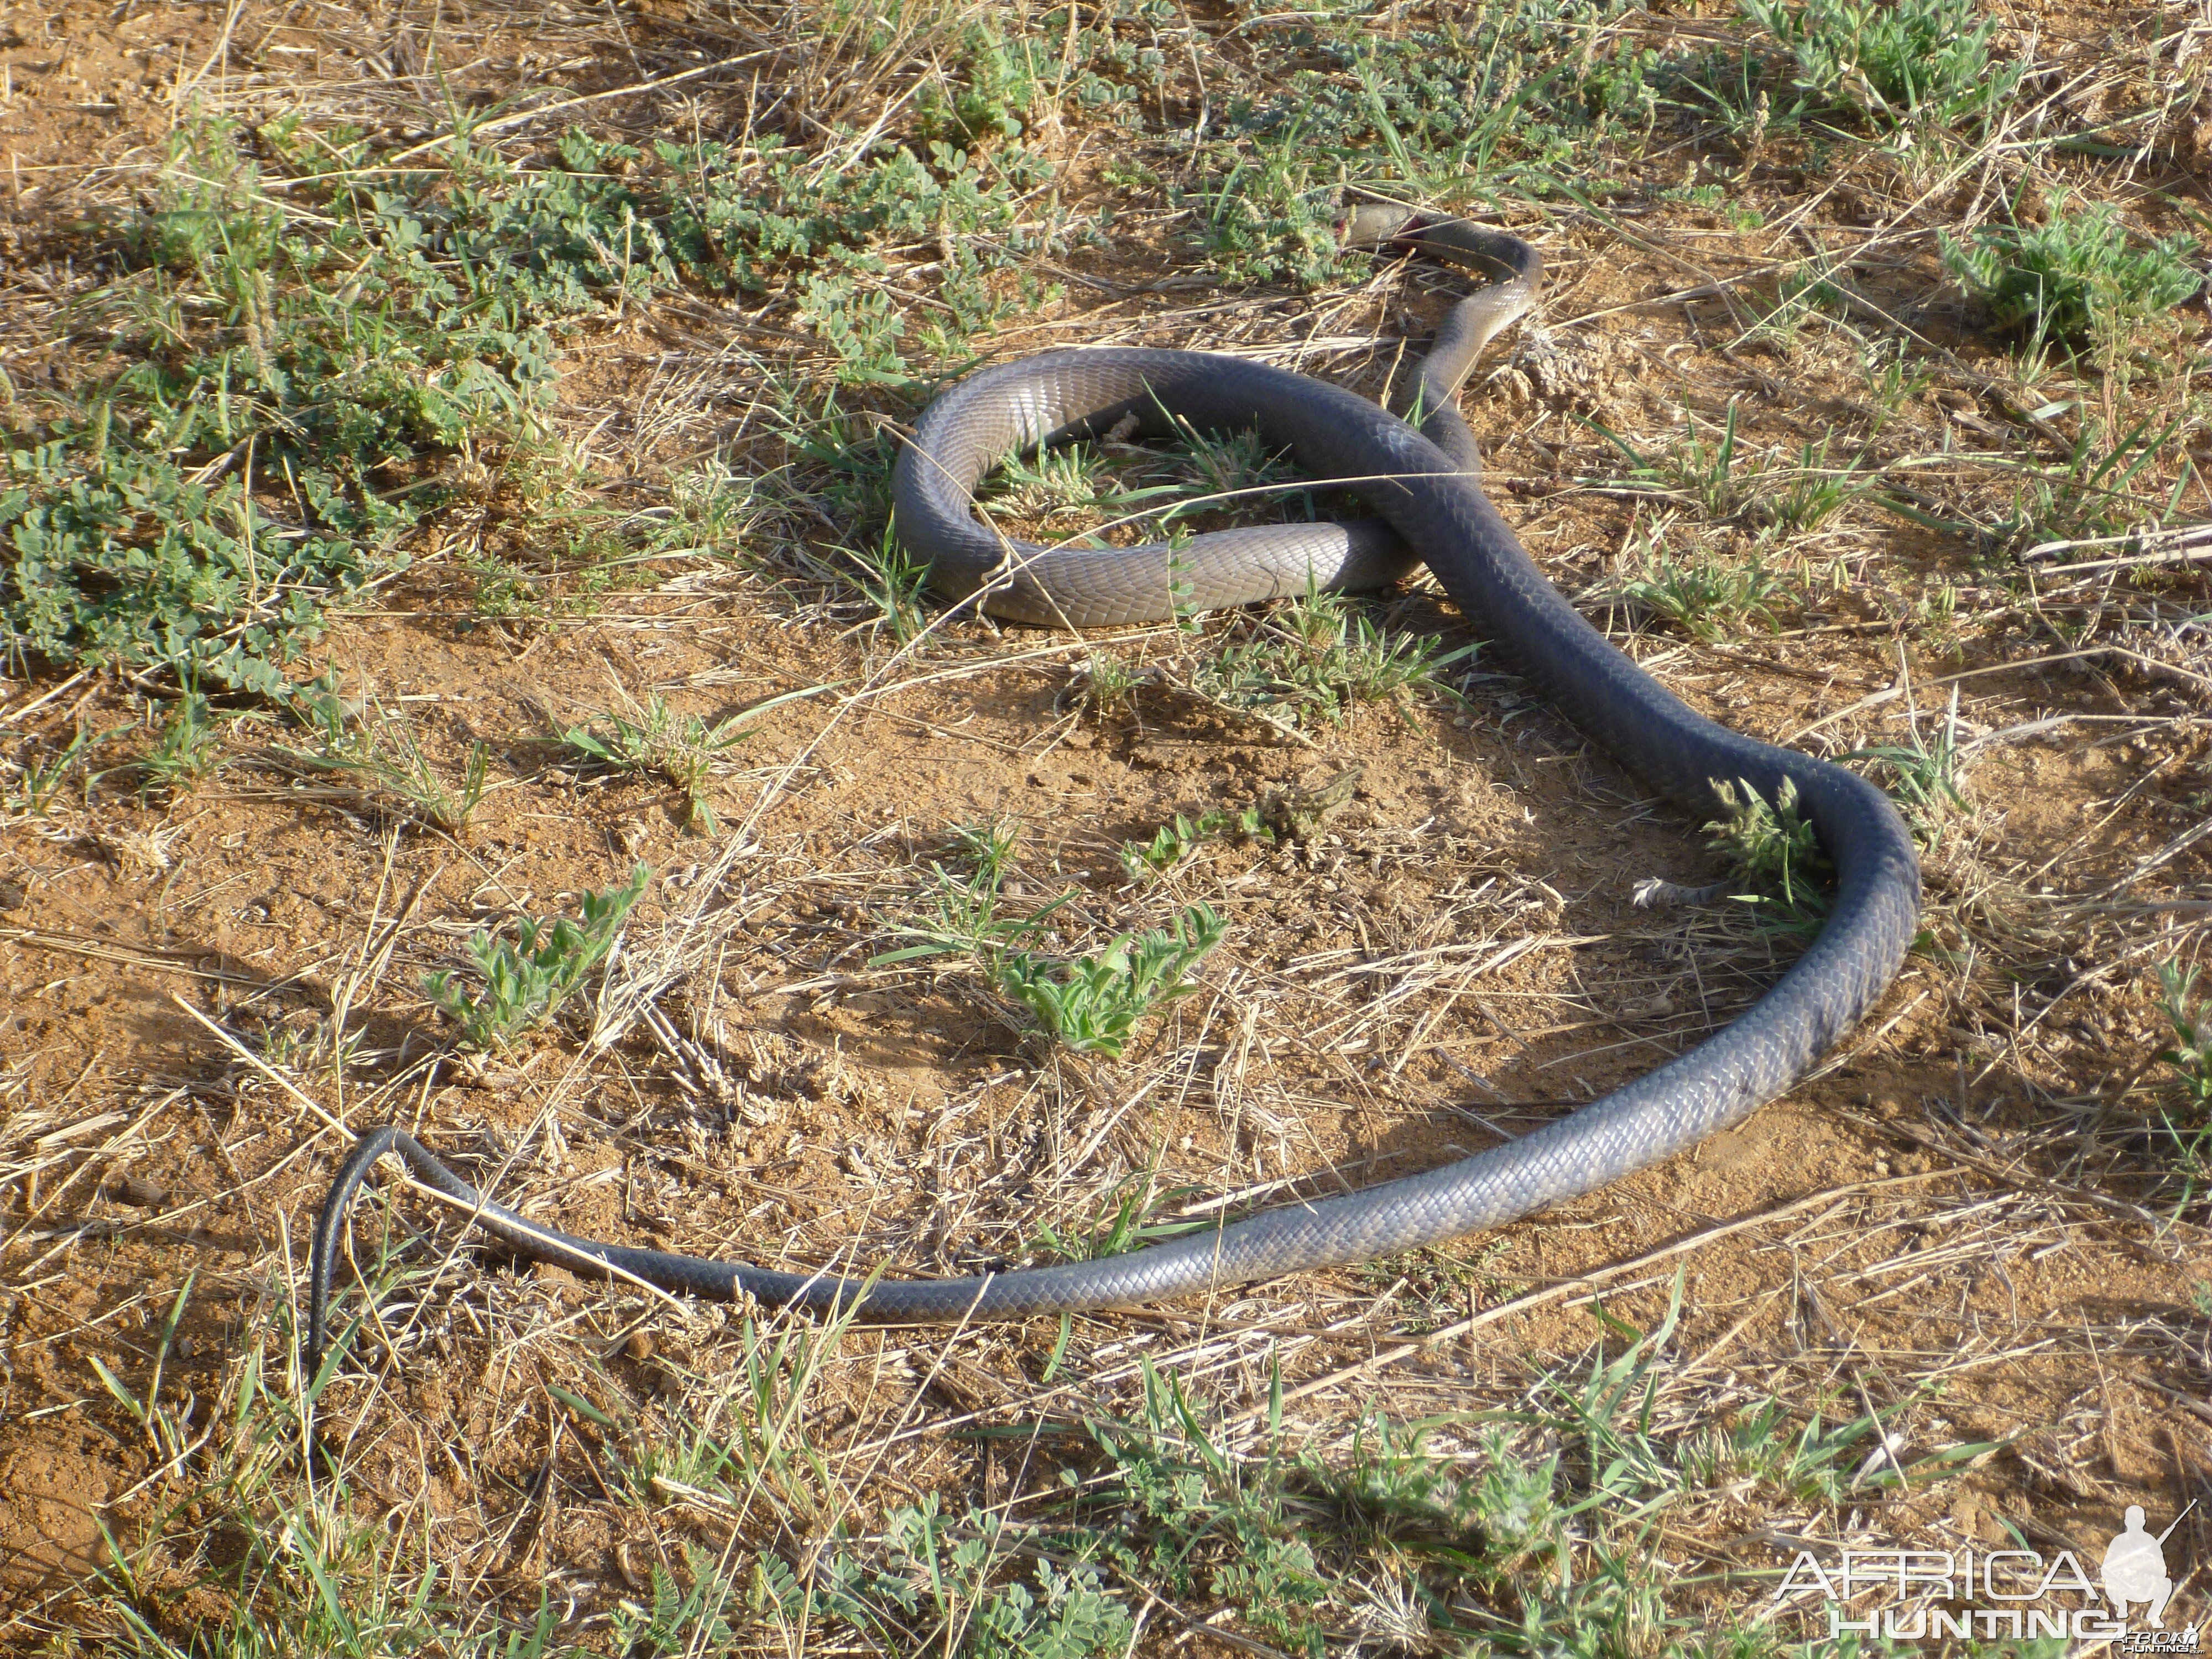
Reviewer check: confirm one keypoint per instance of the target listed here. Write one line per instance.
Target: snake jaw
(1388, 226)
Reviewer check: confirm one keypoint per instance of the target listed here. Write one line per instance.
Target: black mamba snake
(1425, 481)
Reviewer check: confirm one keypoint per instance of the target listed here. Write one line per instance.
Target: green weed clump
(941, 1567)
(1093, 1004)
(1543, 1532)
(2191, 1057)
(935, 1583)
(1717, 480)
(1481, 92)
(1704, 596)
(385, 759)
(964, 915)
(2189, 1127)
(651, 737)
(1182, 1512)
(526, 982)
(36, 782)
(991, 88)
(1926, 779)
(994, 84)
(293, 374)
(1129, 1218)
(307, 374)
(1320, 657)
(1892, 60)
(1178, 841)
(1774, 848)
(2076, 277)
(188, 747)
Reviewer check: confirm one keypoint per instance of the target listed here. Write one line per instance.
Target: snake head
(1382, 225)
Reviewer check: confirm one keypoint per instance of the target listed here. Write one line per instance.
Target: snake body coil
(1424, 483)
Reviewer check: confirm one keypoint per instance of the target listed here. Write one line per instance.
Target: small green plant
(651, 737)
(1319, 657)
(1925, 777)
(1894, 378)
(1772, 844)
(990, 847)
(1264, 223)
(1710, 476)
(1065, 478)
(1891, 60)
(40, 780)
(2189, 1128)
(1707, 473)
(1430, 1288)
(963, 905)
(1122, 1223)
(2096, 490)
(2076, 277)
(951, 1562)
(1701, 595)
(1232, 466)
(675, 1621)
(2191, 1057)
(525, 982)
(166, 1426)
(1092, 1004)
(893, 582)
(1717, 199)
(1815, 490)
(992, 85)
(385, 759)
(1804, 293)
(1173, 843)
(1189, 1513)
(1108, 682)
(1161, 494)
(189, 747)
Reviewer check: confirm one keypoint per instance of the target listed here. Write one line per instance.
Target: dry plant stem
(1586, 1283)
(534, 1237)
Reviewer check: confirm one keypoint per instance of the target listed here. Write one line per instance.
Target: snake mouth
(1392, 229)
(1383, 225)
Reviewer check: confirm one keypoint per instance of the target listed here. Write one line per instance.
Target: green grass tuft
(1319, 657)
(2076, 277)
(1774, 847)
(385, 758)
(526, 982)
(1892, 60)
(1093, 1003)
(651, 737)
(2188, 1126)
(1178, 841)
(1705, 595)
(1926, 779)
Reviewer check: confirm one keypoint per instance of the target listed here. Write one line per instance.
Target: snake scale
(1419, 467)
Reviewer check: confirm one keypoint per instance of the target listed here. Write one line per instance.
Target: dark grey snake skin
(1424, 483)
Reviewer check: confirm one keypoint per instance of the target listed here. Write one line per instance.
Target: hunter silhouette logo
(2135, 1568)
(1918, 1595)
